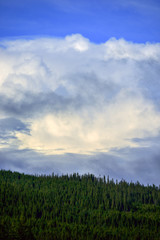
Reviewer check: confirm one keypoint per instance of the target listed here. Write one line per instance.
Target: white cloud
(120, 49)
(77, 42)
(101, 105)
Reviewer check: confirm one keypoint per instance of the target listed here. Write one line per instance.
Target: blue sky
(133, 20)
(80, 88)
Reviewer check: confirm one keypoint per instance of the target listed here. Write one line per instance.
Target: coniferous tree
(76, 207)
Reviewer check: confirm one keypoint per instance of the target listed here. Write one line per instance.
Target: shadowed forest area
(76, 207)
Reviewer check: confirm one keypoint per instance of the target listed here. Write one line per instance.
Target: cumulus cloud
(70, 96)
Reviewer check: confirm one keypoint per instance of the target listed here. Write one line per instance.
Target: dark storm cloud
(12, 124)
(29, 161)
(142, 163)
(8, 128)
(26, 161)
(150, 140)
(87, 91)
(9, 160)
(129, 164)
(33, 104)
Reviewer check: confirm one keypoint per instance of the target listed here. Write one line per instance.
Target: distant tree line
(76, 207)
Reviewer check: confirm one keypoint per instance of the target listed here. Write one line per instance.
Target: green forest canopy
(76, 207)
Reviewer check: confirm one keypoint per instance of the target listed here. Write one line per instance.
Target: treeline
(76, 207)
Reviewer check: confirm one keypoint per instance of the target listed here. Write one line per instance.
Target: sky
(80, 88)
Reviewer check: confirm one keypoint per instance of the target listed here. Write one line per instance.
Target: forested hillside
(76, 207)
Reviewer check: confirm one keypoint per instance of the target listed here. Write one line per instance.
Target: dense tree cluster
(76, 207)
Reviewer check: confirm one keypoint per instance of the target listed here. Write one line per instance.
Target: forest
(76, 207)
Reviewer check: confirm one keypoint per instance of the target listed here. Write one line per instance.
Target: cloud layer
(62, 96)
